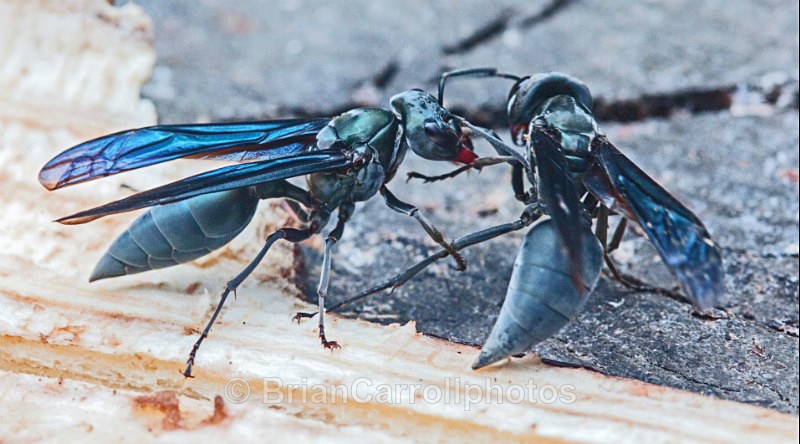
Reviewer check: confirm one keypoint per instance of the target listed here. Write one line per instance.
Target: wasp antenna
(471, 72)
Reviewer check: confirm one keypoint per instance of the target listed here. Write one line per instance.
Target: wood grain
(102, 361)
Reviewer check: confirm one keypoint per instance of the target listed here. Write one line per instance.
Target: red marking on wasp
(518, 129)
(466, 152)
(465, 156)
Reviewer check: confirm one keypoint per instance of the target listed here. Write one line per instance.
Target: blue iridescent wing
(221, 179)
(558, 194)
(679, 236)
(128, 150)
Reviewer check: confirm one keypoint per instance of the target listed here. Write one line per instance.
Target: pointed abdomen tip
(107, 267)
(484, 359)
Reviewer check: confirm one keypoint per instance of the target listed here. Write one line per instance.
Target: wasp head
(529, 93)
(431, 131)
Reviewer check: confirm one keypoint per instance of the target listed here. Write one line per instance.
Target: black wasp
(575, 175)
(346, 159)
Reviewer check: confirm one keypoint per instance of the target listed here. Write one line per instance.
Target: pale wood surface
(80, 361)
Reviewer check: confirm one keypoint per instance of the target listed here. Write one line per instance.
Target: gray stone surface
(736, 168)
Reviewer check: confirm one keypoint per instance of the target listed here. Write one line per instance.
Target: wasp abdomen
(541, 297)
(179, 232)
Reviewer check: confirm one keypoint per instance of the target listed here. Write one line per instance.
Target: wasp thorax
(574, 122)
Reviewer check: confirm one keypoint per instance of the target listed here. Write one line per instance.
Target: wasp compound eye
(443, 136)
(516, 86)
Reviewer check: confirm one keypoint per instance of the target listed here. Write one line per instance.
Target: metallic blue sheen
(180, 232)
(221, 179)
(541, 296)
(128, 150)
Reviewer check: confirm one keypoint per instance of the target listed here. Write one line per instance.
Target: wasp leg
(530, 215)
(289, 234)
(501, 147)
(518, 183)
(477, 165)
(401, 207)
(284, 189)
(297, 200)
(345, 211)
(296, 211)
(628, 281)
